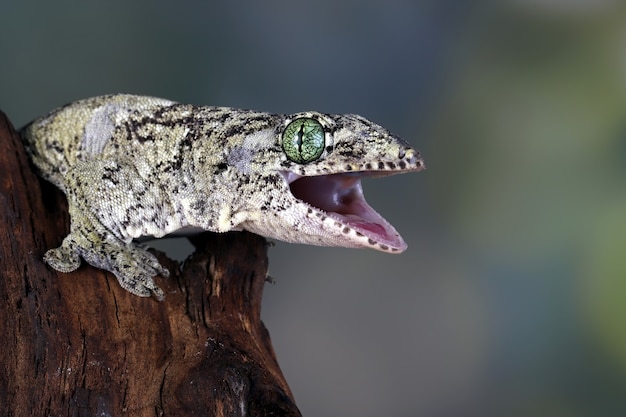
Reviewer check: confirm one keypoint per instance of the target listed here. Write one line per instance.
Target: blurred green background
(511, 299)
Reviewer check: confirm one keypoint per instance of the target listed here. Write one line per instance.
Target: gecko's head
(322, 161)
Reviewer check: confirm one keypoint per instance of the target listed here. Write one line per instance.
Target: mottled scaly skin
(136, 166)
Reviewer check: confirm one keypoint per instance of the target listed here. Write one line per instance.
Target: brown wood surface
(79, 345)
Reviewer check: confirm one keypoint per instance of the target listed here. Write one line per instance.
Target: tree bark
(78, 344)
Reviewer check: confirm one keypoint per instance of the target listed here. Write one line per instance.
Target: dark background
(511, 297)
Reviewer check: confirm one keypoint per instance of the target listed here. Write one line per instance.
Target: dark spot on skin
(323, 218)
(348, 168)
(186, 143)
(394, 249)
(221, 167)
(223, 118)
(368, 166)
(329, 149)
(402, 153)
(359, 234)
(109, 175)
(154, 218)
(232, 131)
(309, 211)
(350, 153)
(273, 179)
(346, 230)
(384, 247)
(381, 165)
(199, 205)
(173, 165)
(56, 146)
(391, 165)
(402, 164)
(371, 242)
(130, 131)
(144, 139)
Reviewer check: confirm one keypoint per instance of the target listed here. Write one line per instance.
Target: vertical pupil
(299, 135)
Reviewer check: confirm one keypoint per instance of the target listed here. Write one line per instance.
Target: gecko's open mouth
(340, 196)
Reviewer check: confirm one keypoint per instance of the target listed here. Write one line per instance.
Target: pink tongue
(371, 227)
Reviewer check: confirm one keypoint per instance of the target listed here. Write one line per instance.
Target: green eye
(303, 140)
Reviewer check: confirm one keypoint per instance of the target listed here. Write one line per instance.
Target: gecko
(136, 167)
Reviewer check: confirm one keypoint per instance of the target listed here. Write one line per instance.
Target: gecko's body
(135, 166)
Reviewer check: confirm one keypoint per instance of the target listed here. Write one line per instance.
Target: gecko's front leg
(100, 217)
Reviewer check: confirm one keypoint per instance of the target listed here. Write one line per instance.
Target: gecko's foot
(141, 285)
(63, 259)
(138, 267)
(133, 266)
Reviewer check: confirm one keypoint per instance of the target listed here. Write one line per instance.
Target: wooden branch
(77, 344)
